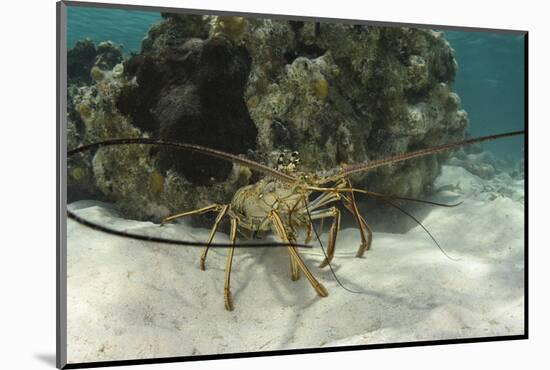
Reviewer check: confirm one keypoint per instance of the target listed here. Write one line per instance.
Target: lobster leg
(364, 229)
(281, 231)
(294, 268)
(200, 211)
(333, 233)
(309, 233)
(228, 300)
(319, 202)
(222, 211)
(219, 218)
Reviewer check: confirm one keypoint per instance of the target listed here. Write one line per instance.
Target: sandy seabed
(129, 299)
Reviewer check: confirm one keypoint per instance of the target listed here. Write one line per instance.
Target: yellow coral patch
(321, 88)
(233, 27)
(84, 110)
(253, 101)
(243, 176)
(78, 173)
(156, 182)
(97, 74)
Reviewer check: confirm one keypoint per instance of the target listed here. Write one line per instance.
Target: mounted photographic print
(240, 184)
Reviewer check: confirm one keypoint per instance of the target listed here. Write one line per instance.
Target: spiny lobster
(285, 201)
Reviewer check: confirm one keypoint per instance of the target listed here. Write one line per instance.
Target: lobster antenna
(189, 147)
(182, 146)
(380, 195)
(350, 169)
(385, 198)
(420, 224)
(148, 238)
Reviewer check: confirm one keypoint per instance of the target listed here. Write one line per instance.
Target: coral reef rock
(192, 92)
(336, 93)
(84, 56)
(482, 164)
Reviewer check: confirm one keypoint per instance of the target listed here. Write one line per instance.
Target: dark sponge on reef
(224, 68)
(80, 60)
(185, 93)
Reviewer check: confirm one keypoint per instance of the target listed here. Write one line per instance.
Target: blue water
(490, 79)
(490, 82)
(126, 27)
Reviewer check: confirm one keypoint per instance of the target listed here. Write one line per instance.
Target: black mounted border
(61, 261)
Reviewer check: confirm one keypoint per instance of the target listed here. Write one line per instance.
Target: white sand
(129, 299)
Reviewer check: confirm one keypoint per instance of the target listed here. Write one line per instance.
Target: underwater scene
(300, 151)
